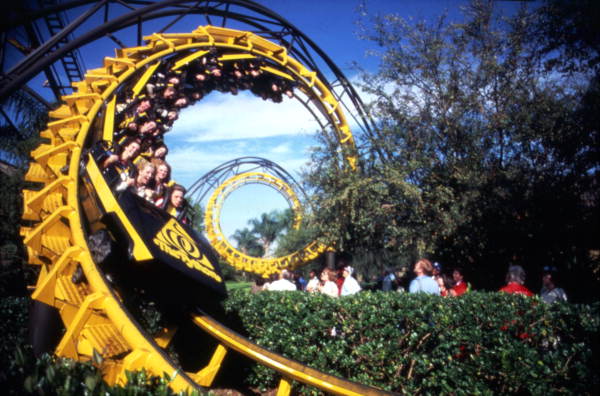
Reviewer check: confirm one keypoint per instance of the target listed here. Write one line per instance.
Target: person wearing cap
(436, 273)
(350, 285)
(515, 278)
(550, 293)
(424, 283)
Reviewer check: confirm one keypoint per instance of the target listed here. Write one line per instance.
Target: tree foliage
(481, 157)
(247, 242)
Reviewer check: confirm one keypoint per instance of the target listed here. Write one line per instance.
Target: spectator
(437, 271)
(338, 278)
(445, 285)
(283, 283)
(350, 285)
(258, 284)
(401, 275)
(343, 260)
(270, 279)
(313, 282)
(299, 281)
(327, 285)
(424, 283)
(515, 278)
(387, 283)
(460, 286)
(550, 293)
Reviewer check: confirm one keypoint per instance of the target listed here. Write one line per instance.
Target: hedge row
(480, 343)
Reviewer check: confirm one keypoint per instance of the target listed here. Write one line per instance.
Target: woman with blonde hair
(424, 283)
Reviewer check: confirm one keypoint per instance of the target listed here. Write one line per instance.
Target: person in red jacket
(460, 286)
(515, 278)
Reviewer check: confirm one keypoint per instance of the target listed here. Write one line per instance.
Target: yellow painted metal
(261, 266)
(285, 388)
(290, 369)
(187, 59)
(94, 317)
(206, 376)
(137, 88)
(109, 120)
(277, 72)
(163, 339)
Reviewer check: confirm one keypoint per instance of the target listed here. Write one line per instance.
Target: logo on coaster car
(173, 240)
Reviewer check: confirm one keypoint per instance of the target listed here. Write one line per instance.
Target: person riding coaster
(165, 235)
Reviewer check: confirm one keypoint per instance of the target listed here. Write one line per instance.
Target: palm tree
(268, 228)
(247, 243)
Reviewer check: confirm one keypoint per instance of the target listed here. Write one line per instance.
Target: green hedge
(480, 343)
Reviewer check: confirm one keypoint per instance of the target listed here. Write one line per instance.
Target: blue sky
(223, 127)
(204, 138)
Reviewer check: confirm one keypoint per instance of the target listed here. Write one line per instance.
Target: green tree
(196, 212)
(247, 242)
(267, 228)
(21, 119)
(479, 157)
(569, 34)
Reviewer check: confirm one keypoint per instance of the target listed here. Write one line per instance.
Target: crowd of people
(429, 278)
(136, 157)
(329, 282)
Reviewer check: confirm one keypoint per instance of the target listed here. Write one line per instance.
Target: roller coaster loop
(86, 239)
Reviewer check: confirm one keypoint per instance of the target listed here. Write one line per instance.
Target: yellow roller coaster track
(94, 317)
(261, 266)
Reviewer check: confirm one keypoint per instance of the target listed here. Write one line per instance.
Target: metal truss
(126, 22)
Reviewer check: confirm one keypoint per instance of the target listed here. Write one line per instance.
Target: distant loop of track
(240, 260)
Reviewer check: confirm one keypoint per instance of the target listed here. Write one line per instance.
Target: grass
(233, 285)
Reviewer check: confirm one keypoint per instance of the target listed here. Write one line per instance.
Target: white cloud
(190, 162)
(281, 149)
(222, 127)
(245, 116)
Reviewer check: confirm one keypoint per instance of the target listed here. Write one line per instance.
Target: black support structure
(125, 22)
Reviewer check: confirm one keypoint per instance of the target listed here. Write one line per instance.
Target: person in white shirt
(313, 282)
(283, 283)
(350, 285)
(327, 285)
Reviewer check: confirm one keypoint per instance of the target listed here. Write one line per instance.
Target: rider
(176, 207)
(119, 169)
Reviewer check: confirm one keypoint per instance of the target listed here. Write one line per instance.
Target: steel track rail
(96, 321)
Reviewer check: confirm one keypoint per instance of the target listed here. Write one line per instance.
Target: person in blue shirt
(424, 283)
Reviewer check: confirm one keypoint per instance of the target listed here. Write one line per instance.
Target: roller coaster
(99, 247)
